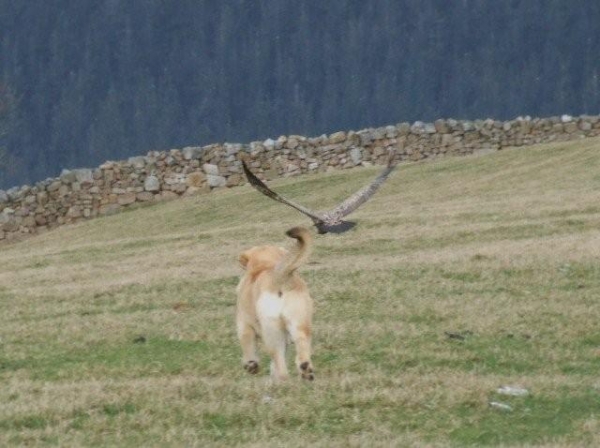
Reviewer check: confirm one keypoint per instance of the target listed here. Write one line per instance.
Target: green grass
(462, 275)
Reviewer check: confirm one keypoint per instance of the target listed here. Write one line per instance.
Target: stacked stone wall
(161, 175)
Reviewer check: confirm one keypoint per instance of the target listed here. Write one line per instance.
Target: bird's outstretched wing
(329, 221)
(260, 186)
(365, 193)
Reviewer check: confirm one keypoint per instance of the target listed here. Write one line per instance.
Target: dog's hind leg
(247, 337)
(301, 336)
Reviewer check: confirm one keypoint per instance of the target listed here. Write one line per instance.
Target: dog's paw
(306, 371)
(251, 367)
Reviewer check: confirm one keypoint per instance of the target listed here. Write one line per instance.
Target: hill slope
(462, 275)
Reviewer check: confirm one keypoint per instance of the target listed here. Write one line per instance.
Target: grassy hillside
(463, 275)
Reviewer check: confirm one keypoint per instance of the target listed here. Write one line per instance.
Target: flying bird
(329, 221)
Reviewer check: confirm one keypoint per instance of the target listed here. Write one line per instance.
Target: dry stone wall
(161, 175)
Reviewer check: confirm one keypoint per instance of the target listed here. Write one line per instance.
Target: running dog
(275, 305)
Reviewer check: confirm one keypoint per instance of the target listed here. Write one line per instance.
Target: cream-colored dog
(274, 304)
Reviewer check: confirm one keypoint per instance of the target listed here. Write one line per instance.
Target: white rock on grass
(500, 406)
(513, 391)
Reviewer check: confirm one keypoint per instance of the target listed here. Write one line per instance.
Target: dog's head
(260, 258)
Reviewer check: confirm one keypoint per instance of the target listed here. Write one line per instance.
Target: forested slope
(86, 81)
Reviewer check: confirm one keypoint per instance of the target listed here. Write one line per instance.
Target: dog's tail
(297, 256)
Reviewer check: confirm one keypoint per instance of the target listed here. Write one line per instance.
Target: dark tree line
(89, 80)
